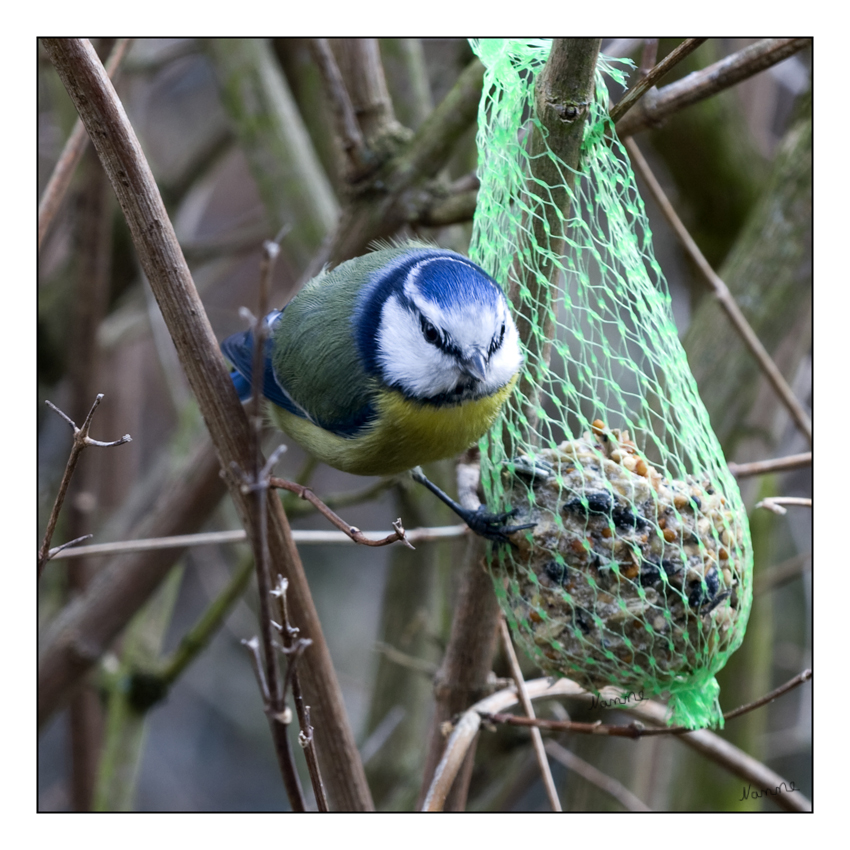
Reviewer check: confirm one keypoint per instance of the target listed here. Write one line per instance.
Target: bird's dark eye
(430, 333)
(496, 343)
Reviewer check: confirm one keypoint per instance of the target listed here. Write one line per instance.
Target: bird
(388, 361)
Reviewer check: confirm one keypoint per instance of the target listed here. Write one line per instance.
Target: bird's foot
(493, 526)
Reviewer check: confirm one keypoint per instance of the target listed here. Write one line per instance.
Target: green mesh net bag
(638, 572)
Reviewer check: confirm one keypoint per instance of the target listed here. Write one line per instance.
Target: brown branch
(707, 743)
(63, 171)
(722, 293)
(166, 270)
(257, 483)
(350, 531)
(462, 678)
(345, 119)
(709, 81)
(636, 729)
(777, 464)
(81, 440)
(608, 784)
(214, 538)
(639, 89)
(775, 503)
(528, 708)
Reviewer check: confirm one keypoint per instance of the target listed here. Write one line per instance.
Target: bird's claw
(492, 526)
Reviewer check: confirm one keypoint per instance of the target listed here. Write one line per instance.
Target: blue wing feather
(239, 350)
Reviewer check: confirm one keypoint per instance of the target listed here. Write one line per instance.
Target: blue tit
(389, 361)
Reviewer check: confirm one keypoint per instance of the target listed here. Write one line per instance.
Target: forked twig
(709, 81)
(777, 503)
(351, 531)
(637, 91)
(81, 440)
(293, 646)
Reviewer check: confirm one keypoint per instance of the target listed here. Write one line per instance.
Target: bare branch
(704, 741)
(81, 440)
(215, 538)
(777, 464)
(184, 314)
(347, 128)
(528, 708)
(776, 503)
(709, 81)
(351, 531)
(637, 729)
(293, 646)
(722, 293)
(60, 179)
(639, 89)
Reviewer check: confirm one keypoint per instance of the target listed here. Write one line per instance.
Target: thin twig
(296, 507)
(777, 464)
(293, 646)
(257, 483)
(57, 549)
(528, 708)
(253, 647)
(351, 531)
(722, 293)
(709, 81)
(776, 503)
(64, 169)
(214, 538)
(637, 91)
(81, 440)
(601, 780)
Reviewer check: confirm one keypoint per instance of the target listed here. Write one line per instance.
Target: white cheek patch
(407, 359)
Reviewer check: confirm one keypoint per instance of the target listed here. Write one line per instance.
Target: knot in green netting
(638, 572)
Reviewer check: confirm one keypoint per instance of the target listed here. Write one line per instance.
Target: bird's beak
(475, 365)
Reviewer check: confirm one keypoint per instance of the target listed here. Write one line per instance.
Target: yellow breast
(404, 434)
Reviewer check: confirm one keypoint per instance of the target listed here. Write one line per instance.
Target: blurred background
(737, 168)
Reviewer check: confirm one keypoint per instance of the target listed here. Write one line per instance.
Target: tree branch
(709, 81)
(184, 314)
(642, 86)
(60, 179)
(81, 440)
(722, 293)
